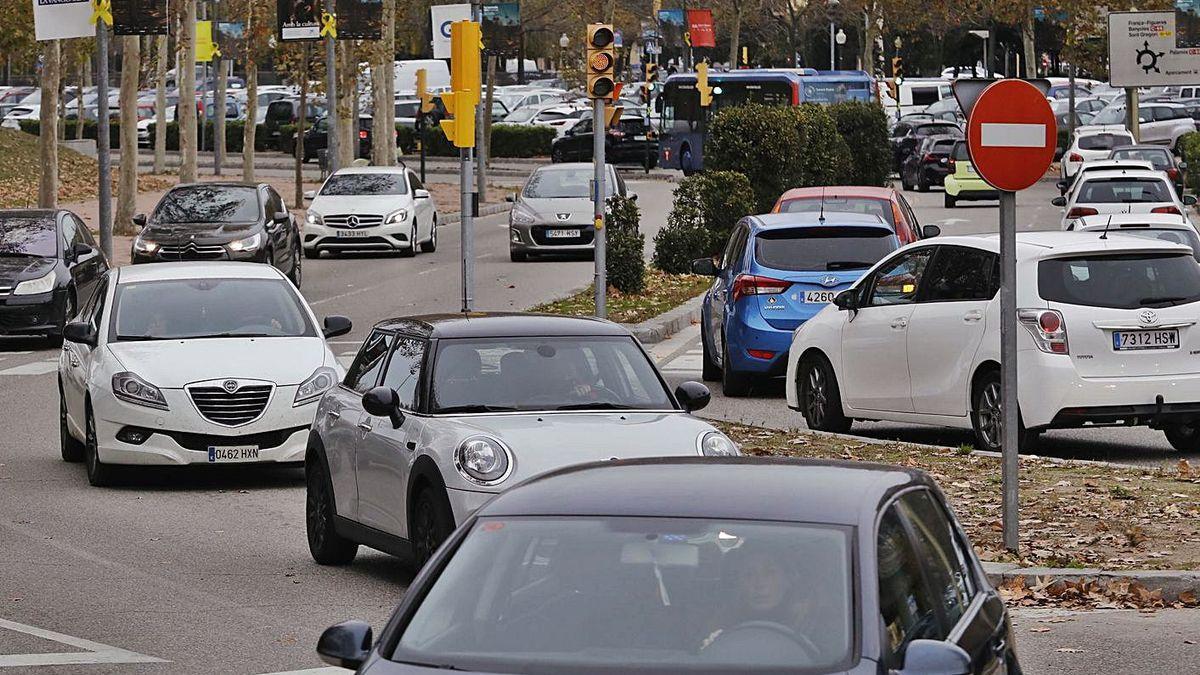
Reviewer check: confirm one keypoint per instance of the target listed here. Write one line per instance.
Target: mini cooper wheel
(324, 543)
(1183, 436)
(431, 245)
(820, 399)
(72, 449)
(987, 417)
(922, 183)
(948, 200)
(99, 474)
(431, 524)
(709, 370)
(557, 156)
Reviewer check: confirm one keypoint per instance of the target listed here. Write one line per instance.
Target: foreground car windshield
(209, 204)
(1121, 281)
(638, 594)
(569, 183)
(365, 184)
(33, 237)
(564, 373)
(803, 249)
(868, 205)
(200, 308)
(1124, 191)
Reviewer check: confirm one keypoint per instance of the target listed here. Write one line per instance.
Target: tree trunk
(381, 142)
(341, 106)
(185, 76)
(85, 80)
(160, 106)
(1029, 52)
(127, 182)
(219, 121)
(487, 119)
(389, 76)
(735, 36)
(47, 138)
(250, 131)
(301, 119)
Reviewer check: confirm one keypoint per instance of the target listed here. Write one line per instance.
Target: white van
(918, 92)
(437, 75)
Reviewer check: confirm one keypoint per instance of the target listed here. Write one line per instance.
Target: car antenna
(1104, 234)
(821, 217)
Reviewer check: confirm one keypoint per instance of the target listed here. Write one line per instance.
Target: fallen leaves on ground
(663, 292)
(1087, 593)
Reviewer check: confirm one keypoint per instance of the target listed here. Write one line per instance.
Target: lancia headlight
(397, 216)
(133, 389)
(716, 444)
(141, 245)
(321, 381)
(483, 460)
(250, 243)
(42, 284)
(522, 216)
(314, 218)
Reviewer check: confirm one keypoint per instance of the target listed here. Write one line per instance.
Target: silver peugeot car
(552, 213)
(439, 413)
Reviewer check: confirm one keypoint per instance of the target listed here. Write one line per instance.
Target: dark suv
(907, 137)
(929, 164)
(629, 142)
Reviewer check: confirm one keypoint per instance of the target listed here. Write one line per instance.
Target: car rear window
(869, 205)
(1176, 236)
(960, 152)
(802, 249)
(1124, 191)
(1126, 281)
(942, 147)
(938, 130)
(1159, 158)
(1104, 141)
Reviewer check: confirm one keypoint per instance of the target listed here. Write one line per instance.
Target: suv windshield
(563, 183)
(552, 373)
(209, 204)
(804, 249)
(1121, 281)
(347, 184)
(619, 595)
(1124, 191)
(1112, 115)
(203, 308)
(29, 236)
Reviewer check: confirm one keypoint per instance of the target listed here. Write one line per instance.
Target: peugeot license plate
(220, 454)
(562, 234)
(819, 296)
(1166, 338)
(352, 234)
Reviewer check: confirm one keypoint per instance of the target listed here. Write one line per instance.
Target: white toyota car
(192, 363)
(370, 208)
(1109, 336)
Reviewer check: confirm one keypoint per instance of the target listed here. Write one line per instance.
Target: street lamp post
(564, 43)
(830, 7)
(987, 66)
(840, 39)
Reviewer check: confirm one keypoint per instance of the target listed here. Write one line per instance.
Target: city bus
(683, 121)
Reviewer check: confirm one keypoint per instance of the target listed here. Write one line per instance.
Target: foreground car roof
(195, 270)
(839, 191)
(1053, 244)
(739, 488)
(831, 217)
(501, 324)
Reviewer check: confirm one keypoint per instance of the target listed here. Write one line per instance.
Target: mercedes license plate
(1166, 338)
(562, 234)
(220, 454)
(352, 234)
(819, 296)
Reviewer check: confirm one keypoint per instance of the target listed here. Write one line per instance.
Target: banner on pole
(140, 17)
(360, 19)
(442, 16)
(231, 38)
(700, 27)
(299, 19)
(502, 27)
(671, 27)
(206, 49)
(62, 19)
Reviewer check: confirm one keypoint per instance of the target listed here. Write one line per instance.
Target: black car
(49, 266)
(1160, 157)
(284, 112)
(220, 221)
(316, 137)
(928, 164)
(906, 137)
(629, 142)
(783, 565)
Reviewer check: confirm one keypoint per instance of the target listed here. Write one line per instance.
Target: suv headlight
(483, 460)
(133, 389)
(318, 383)
(140, 245)
(314, 218)
(397, 216)
(248, 244)
(42, 284)
(716, 444)
(522, 216)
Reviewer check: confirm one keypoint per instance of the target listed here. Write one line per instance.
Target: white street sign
(1146, 50)
(62, 19)
(442, 16)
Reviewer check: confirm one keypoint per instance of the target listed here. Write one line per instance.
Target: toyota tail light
(748, 284)
(1081, 211)
(1166, 209)
(1048, 329)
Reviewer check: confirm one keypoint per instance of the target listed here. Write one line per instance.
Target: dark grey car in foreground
(698, 565)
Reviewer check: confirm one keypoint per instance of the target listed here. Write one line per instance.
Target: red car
(888, 204)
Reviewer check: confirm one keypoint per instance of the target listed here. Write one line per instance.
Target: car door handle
(333, 414)
(973, 316)
(899, 322)
(74, 360)
(411, 445)
(365, 426)
(999, 648)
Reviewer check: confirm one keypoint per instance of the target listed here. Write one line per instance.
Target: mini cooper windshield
(208, 308)
(545, 374)
(568, 594)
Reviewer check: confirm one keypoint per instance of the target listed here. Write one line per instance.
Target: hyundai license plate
(819, 296)
(220, 454)
(1127, 340)
(562, 234)
(352, 234)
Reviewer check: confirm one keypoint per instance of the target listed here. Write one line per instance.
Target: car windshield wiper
(139, 338)
(476, 407)
(1164, 300)
(597, 405)
(18, 254)
(228, 334)
(847, 265)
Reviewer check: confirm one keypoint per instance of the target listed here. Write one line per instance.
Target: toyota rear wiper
(847, 265)
(1165, 300)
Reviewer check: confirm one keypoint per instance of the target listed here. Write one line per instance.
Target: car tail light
(1166, 209)
(1048, 329)
(1173, 173)
(1074, 157)
(749, 284)
(761, 354)
(952, 165)
(929, 157)
(1081, 211)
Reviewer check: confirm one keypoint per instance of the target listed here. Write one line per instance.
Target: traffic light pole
(331, 145)
(468, 230)
(599, 131)
(103, 146)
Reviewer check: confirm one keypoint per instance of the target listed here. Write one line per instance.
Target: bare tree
(160, 104)
(127, 186)
(342, 120)
(47, 135)
(383, 150)
(185, 76)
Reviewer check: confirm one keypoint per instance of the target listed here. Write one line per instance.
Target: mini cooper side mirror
(1059, 201)
(384, 402)
(334, 325)
(846, 300)
(79, 332)
(692, 396)
(139, 220)
(704, 266)
(935, 657)
(345, 645)
(80, 249)
(930, 231)
(1062, 186)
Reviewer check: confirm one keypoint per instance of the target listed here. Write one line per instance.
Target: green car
(964, 183)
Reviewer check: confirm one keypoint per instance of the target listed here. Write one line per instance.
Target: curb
(484, 210)
(668, 323)
(1172, 583)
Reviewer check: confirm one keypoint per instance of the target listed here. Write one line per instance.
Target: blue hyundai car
(777, 271)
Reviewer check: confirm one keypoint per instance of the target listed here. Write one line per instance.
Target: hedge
(624, 262)
(864, 127)
(508, 140)
(234, 130)
(90, 129)
(707, 205)
(1189, 149)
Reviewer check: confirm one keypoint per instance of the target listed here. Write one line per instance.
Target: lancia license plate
(640, 137)
(221, 454)
(819, 296)
(352, 234)
(562, 234)
(1126, 340)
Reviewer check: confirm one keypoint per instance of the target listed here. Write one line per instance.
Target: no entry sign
(1011, 134)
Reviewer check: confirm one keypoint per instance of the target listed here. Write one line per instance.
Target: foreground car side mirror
(281, 216)
(935, 657)
(930, 231)
(80, 249)
(705, 266)
(310, 195)
(384, 402)
(139, 220)
(693, 396)
(420, 194)
(1059, 201)
(80, 332)
(346, 644)
(510, 198)
(1062, 185)
(846, 300)
(333, 326)
(1189, 200)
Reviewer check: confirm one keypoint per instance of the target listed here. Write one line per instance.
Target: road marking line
(35, 368)
(95, 652)
(1003, 135)
(329, 670)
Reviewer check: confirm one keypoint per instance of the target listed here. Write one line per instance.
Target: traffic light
(702, 87)
(614, 116)
(898, 68)
(601, 61)
(648, 85)
(465, 47)
(423, 93)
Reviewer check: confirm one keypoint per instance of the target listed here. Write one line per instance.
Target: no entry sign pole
(1011, 134)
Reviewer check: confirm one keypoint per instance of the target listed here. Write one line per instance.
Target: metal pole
(218, 92)
(599, 131)
(103, 146)
(421, 140)
(468, 232)
(1131, 114)
(1008, 364)
(477, 153)
(832, 54)
(331, 146)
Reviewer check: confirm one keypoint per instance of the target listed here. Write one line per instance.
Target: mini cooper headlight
(716, 444)
(318, 383)
(133, 389)
(42, 284)
(248, 244)
(483, 460)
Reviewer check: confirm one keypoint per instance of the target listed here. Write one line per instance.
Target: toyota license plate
(819, 296)
(562, 234)
(221, 454)
(1127, 340)
(352, 234)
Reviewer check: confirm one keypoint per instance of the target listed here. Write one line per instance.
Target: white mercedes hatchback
(371, 208)
(192, 363)
(1108, 336)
